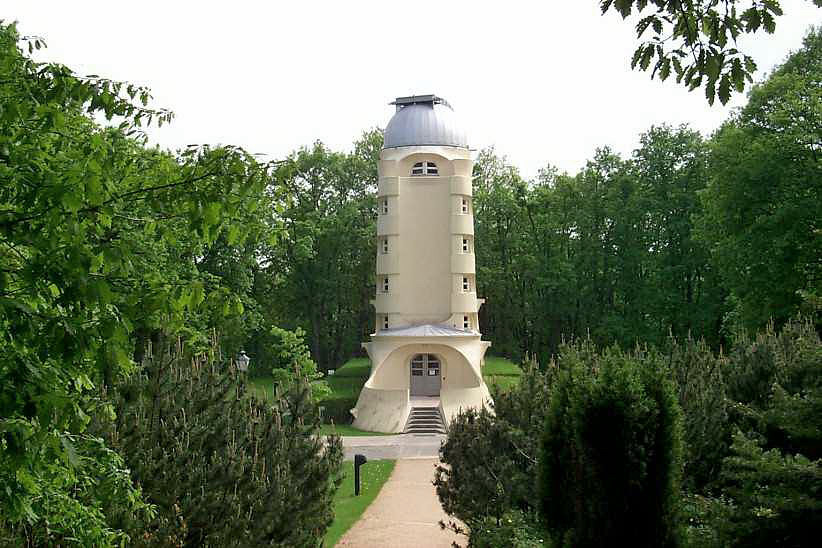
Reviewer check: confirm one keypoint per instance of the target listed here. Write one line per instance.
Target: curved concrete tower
(426, 351)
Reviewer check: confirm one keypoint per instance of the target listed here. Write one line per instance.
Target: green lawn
(262, 387)
(501, 372)
(346, 382)
(347, 507)
(348, 430)
(355, 367)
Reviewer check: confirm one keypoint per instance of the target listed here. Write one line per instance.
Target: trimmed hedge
(338, 409)
(612, 451)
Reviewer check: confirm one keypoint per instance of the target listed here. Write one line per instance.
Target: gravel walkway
(406, 513)
(401, 446)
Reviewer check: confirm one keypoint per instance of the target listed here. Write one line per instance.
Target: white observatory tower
(426, 352)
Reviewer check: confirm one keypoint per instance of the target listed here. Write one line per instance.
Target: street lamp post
(242, 361)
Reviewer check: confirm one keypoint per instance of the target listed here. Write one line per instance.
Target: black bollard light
(359, 460)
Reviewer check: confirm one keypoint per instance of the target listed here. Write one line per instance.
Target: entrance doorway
(426, 375)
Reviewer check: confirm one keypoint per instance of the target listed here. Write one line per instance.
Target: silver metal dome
(424, 120)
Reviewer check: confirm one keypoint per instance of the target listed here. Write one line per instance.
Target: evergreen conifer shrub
(771, 483)
(612, 451)
(221, 467)
(490, 459)
(700, 386)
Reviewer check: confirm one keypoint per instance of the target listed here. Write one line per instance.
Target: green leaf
(197, 293)
(233, 234)
(724, 89)
(710, 91)
(647, 55)
(211, 213)
(768, 22)
(738, 75)
(634, 61)
(665, 69)
(71, 202)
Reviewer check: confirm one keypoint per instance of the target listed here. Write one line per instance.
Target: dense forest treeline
(688, 235)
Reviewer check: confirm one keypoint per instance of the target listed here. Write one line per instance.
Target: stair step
(425, 420)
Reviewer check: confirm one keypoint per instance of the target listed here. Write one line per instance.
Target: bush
(222, 468)
(337, 410)
(490, 460)
(514, 530)
(612, 451)
(776, 498)
(771, 483)
(483, 475)
(700, 387)
(290, 360)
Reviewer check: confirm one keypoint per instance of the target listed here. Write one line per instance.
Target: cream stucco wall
(424, 225)
(384, 403)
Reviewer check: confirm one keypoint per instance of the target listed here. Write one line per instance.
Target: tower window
(385, 206)
(425, 168)
(385, 321)
(466, 206)
(466, 245)
(385, 285)
(384, 246)
(466, 284)
(466, 322)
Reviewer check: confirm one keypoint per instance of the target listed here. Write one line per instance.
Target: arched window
(424, 168)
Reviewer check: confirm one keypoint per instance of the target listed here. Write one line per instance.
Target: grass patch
(503, 382)
(262, 387)
(347, 507)
(348, 430)
(346, 384)
(348, 380)
(500, 372)
(500, 367)
(355, 367)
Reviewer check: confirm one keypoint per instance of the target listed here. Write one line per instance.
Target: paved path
(401, 446)
(406, 512)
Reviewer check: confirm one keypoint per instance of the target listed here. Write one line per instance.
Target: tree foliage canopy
(696, 40)
(99, 241)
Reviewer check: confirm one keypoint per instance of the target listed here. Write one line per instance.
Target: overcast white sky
(544, 81)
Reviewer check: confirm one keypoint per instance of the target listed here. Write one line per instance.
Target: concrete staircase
(425, 420)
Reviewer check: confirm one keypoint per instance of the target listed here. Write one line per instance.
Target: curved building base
(446, 365)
